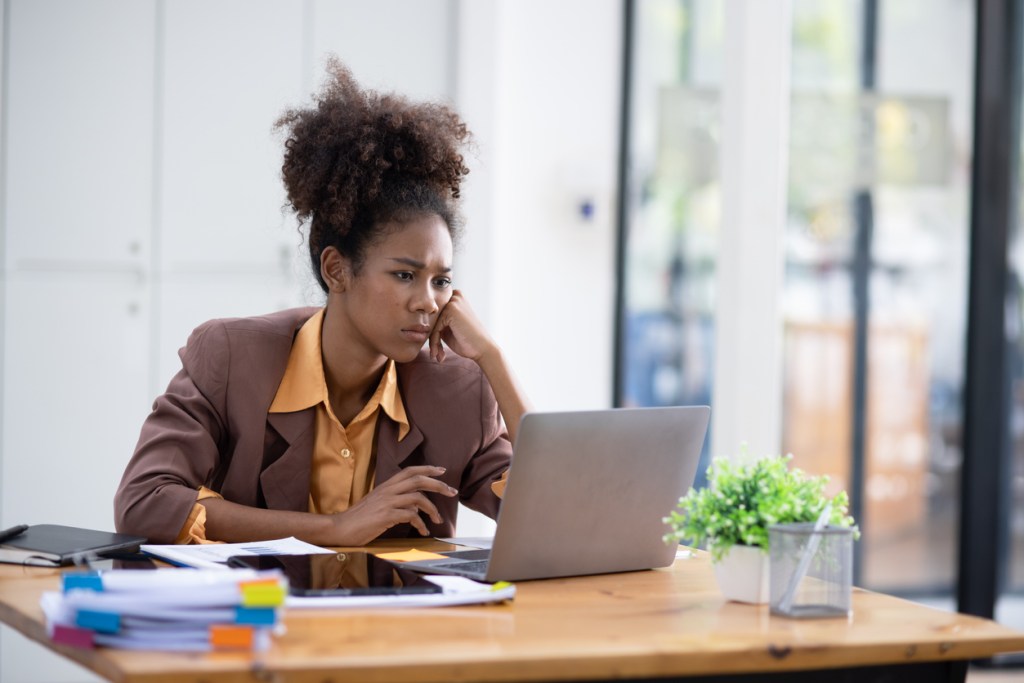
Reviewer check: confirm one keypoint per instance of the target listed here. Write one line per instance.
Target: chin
(405, 355)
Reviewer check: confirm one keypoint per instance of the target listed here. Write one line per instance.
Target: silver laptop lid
(587, 491)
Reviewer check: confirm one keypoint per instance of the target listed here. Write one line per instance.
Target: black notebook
(52, 545)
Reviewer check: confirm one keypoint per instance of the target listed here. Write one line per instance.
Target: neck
(351, 374)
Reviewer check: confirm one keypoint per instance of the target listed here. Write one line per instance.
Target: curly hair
(359, 159)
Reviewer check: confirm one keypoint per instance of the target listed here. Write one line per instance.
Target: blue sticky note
(256, 616)
(86, 580)
(102, 622)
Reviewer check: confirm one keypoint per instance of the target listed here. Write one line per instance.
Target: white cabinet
(406, 46)
(76, 359)
(80, 131)
(230, 68)
(185, 303)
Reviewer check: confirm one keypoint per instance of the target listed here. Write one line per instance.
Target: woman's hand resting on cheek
(459, 328)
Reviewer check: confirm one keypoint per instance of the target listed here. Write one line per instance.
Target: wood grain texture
(640, 624)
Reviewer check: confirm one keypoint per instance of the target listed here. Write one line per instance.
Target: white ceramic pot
(742, 574)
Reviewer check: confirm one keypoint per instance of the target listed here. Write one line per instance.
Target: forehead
(425, 239)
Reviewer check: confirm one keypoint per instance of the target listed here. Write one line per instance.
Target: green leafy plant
(743, 499)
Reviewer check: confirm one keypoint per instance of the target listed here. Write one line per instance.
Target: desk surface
(642, 624)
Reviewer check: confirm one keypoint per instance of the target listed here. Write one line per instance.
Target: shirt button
(346, 453)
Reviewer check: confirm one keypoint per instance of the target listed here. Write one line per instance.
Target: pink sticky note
(75, 637)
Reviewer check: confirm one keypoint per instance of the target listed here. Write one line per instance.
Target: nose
(425, 301)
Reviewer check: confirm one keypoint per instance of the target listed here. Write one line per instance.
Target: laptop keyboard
(471, 567)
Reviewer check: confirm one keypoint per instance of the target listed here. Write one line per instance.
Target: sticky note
(103, 622)
(260, 594)
(410, 556)
(86, 580)
(256, 616)
(231, 637)
(75, 637)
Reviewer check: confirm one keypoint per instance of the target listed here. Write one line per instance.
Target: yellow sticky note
(262, 595)
(410, 556)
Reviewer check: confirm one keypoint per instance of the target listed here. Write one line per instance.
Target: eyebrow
(419, 265)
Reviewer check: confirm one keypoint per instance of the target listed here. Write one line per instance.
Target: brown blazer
(211, 428)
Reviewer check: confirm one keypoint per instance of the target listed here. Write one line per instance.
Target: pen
(7, 534)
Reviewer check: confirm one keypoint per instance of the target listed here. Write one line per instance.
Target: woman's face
(405, 281)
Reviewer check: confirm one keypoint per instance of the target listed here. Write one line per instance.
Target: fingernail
(442, 470)
(452, 491)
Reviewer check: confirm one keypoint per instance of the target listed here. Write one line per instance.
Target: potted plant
(732, 515)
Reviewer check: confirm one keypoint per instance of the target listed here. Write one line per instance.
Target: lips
(416, 333)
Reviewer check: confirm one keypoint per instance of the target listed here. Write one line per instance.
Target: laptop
(586, 494)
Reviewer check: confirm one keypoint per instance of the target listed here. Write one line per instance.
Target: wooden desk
(661, 623)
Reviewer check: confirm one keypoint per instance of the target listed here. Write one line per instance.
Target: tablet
(332, 574)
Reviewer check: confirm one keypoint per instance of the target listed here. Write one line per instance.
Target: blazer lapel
(287, 456)
(392, 453)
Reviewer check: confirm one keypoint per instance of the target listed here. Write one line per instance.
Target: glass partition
(879, 162)
(876, 241)
(673, 204)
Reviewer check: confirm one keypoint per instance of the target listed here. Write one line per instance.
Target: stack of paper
(167, 609)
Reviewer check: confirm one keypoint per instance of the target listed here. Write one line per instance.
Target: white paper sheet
(215, 556)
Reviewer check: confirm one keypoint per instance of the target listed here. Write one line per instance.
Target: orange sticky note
(223, 637)
(259, 582)
(410, 556)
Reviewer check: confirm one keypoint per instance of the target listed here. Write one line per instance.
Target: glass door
(875, 252)
(673, 204)
(876, 272)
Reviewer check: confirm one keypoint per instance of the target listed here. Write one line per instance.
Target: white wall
(542, 97)
(555, 146)
(141, 196)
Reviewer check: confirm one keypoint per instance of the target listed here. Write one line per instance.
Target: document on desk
(215, 555)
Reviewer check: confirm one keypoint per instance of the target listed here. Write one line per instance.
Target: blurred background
(761, 206)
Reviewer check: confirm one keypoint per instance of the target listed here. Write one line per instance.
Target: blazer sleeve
(491, 460)
(179, 446)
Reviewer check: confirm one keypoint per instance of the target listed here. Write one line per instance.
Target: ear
(335, 270)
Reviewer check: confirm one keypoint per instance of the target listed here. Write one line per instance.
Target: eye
(403, 275)
(443, 282)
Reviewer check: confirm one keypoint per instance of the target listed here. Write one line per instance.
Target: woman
(334, 425)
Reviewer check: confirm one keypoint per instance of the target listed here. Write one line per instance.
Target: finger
(410, 506)
(419, 484)
(428, 508)
(411, 472)
(411, 516)
(418, 481)
(435, 339)
(434, 485)
(410, 512)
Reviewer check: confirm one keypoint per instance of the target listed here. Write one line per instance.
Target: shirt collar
(304, 384)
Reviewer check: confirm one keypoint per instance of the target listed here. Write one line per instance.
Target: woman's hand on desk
(399, 500)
